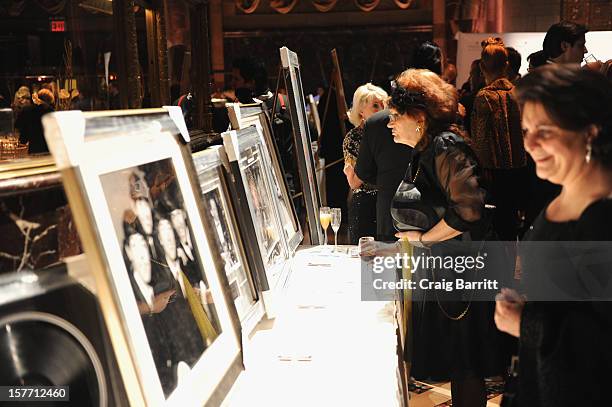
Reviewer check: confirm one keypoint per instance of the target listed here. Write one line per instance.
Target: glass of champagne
(336, 219)
(325, 217)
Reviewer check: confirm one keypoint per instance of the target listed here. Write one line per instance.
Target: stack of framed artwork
(183, 248)
(243, 116)
(237, 259)
(161, 278)
(260, 207)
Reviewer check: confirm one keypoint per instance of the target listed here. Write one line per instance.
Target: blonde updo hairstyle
(438, 100)
(364, 95)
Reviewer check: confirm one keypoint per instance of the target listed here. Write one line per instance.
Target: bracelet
(420, 242)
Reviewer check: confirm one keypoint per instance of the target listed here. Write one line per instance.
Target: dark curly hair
(574, 99)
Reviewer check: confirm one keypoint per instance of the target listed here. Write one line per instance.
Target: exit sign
(58, 26)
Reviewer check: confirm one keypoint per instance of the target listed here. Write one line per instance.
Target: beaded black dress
(362, 200)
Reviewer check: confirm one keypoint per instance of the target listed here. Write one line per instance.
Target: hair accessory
(402, 99)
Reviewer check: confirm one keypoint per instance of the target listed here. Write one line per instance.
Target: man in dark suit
(383, 163)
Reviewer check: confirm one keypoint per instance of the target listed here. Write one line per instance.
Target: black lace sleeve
(456, 168)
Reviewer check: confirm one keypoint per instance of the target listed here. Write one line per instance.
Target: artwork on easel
(303, 143)
(336, 86)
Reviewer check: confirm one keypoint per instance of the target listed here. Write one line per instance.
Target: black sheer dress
(452, 337)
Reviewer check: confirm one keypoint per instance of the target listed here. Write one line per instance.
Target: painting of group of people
(167, 278)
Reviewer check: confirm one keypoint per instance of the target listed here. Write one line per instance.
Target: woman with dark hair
(428, 56)
(497, 137)
(438, 205)
(567, 122)
(536, 59)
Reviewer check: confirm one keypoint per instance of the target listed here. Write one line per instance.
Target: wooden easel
(335, 85)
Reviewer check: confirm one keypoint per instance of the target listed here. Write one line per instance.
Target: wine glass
(336, 219)
(325, 217)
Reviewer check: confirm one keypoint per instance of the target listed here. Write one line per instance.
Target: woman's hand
(508, 309)
(373, 248)
(352, 178)
(411, 235)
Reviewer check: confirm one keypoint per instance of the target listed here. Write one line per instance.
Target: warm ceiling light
(98, 6)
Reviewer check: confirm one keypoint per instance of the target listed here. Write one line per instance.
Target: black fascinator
(403, 99)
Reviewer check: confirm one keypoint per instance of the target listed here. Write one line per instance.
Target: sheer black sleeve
(456, 169)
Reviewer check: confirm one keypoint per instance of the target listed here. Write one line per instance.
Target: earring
(589, 151)
(418, 129)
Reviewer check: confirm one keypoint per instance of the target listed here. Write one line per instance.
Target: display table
(325, 347)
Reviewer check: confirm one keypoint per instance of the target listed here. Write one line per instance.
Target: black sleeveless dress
(452, 337)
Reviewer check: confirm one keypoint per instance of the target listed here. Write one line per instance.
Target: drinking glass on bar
(336, 219)
(325, 217)
(363, 243)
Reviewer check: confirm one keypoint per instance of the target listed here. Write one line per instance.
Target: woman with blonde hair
(367, 100)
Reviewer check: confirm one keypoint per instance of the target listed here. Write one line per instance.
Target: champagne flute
(325, 217)
(336, 219)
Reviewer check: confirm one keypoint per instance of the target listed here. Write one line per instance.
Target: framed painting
(242, 116)
(225, 237)
(302, 143)
(130, 183)
(245, 152)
